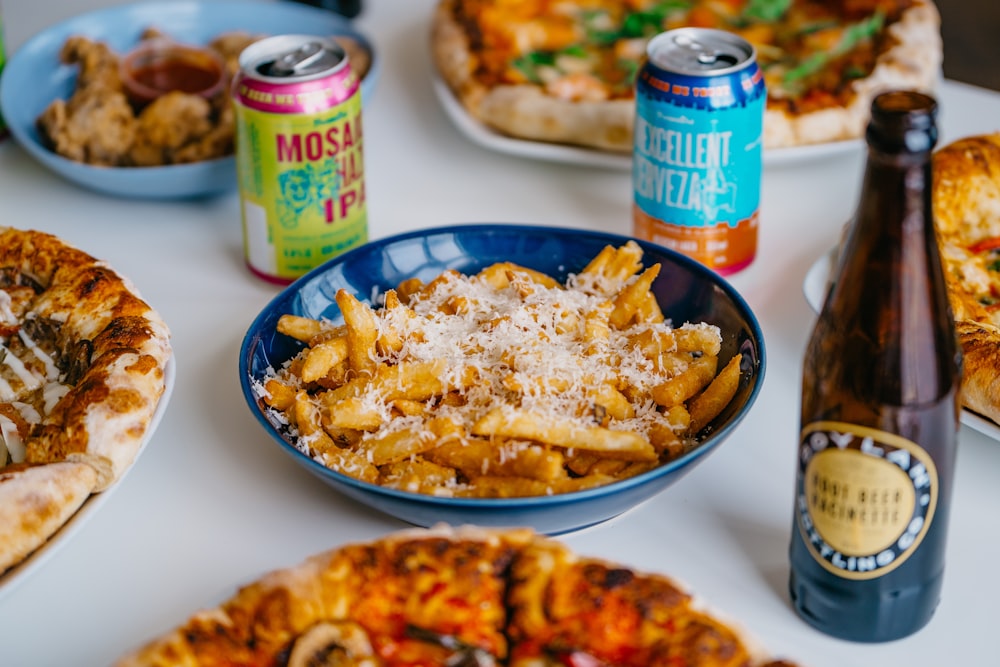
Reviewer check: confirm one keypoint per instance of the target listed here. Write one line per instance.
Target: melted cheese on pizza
(567, 610)
(966, 203)
(31, 382)
(973, 274)
(810, 50)
(460, 597)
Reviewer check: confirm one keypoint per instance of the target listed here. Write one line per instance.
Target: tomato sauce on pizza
(466, 596)
(517, 65)
(966, 207)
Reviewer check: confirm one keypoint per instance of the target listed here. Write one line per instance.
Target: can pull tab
(302, 58)
(707, 55)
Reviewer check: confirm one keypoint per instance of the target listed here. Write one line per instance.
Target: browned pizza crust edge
(554, 586)
(104, 417)
(313, 599)
(967, 188)
(525, 111)
(100, 423)
(35, 501)
(913, 61)
(980, 367)
(966, 209)
(296, 604)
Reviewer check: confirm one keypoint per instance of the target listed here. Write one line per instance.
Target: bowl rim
(135, 181)
(249, 343)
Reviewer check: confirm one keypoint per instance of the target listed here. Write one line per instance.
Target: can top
(296, 57)
(700, 51)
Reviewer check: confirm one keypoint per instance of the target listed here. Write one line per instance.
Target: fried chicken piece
(99, 125)
(152, 32)
(230, 45)
(359, 56)
(95, 126)
(218, 142)
(97, 64)
(169, 123)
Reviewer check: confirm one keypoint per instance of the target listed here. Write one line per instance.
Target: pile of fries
(505, 383)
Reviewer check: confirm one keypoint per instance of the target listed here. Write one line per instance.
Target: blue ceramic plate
(34, 76)
(686, 291)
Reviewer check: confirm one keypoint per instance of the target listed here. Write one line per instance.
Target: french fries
(504, 383)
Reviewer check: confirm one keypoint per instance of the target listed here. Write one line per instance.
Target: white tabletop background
(213, 503)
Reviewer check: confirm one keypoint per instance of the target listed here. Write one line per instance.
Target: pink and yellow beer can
(299, 155)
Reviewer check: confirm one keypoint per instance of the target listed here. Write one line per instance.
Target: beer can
(697, 159)
(299, 157)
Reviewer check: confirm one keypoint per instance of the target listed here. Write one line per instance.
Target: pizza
(82, 368)
(456, 596)
(564, 71)
(966, 204)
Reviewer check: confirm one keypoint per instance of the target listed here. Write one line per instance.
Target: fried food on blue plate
(99, 125)
(96, 124)
(169, 124)
(92, 127)
(229, 45)
(97, 63)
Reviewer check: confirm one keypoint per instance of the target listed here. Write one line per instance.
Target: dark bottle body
(880, 408)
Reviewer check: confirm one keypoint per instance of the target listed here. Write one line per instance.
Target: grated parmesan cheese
(523, 347)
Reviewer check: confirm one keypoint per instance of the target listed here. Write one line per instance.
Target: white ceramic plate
(486, 137)
(14, 576)
(779, 157)
(814, 288)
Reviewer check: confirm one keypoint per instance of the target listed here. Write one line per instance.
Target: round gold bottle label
(864, 498)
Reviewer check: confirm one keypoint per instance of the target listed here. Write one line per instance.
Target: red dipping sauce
(158, 66)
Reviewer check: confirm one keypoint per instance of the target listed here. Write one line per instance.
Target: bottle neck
(891, 231)
(899, 159)
(887, 313)
(895, 195)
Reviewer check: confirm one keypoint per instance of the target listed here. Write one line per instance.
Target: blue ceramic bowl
(34, 77)
(686, 291)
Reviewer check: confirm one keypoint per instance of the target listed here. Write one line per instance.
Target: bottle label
(864, 498)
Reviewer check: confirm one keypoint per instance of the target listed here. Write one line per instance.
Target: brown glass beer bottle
(880, 408)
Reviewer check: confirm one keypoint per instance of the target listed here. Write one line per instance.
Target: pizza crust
(447, 591)
(109, 349)
(35, 501)
(452, 54)
(558, 590)
(913, 61)
(271, 614)
(102, 420)
(980, 368)
(966, 209)
(967, 188)
(525, 111)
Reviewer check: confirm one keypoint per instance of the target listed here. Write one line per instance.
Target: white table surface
(212, 503)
